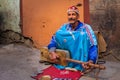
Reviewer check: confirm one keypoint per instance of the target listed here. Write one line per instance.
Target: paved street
(18, 62)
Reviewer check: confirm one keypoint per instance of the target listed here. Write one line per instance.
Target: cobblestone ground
(18, 62)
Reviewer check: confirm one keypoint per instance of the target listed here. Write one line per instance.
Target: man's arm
(92, 56)
(52, 45)
(93, 53)
(52, 48)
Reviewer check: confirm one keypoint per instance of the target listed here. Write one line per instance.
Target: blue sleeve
(92, 35)
(93, 53)
(52, 44)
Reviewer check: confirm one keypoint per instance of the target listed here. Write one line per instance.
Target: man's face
(72, 17)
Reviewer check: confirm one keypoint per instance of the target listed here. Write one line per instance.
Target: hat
(73, 8)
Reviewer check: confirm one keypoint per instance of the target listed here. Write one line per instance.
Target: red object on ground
(57, 73)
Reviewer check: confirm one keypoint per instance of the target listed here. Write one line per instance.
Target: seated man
(76, 37)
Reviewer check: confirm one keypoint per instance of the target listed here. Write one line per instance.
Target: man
(76, 37)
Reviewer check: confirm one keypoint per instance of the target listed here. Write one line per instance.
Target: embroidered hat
(73, 8)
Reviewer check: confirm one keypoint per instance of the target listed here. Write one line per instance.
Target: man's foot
(71, 69)
(45, 77)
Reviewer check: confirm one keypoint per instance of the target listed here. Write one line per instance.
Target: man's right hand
(53, 56)
(86, 65)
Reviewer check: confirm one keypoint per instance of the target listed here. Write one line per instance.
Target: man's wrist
(90, 61)
(52, 49)
(52, 52)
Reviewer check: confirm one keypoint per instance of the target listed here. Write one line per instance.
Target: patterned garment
(81, 44)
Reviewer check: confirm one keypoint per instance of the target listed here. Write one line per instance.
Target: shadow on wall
(106, 22)
(105, 18)
(9, 36)
(1, 21)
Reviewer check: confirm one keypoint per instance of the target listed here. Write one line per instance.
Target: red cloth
(56, 73)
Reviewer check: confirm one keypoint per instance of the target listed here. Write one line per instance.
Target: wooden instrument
(64, 59)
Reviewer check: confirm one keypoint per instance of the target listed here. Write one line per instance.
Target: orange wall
(41, 18)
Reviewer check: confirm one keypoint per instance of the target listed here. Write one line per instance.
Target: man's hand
(53, 56)
(86, 65)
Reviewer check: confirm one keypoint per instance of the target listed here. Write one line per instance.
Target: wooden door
(41, 18)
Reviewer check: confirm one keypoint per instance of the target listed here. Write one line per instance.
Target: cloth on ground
(56, 73)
